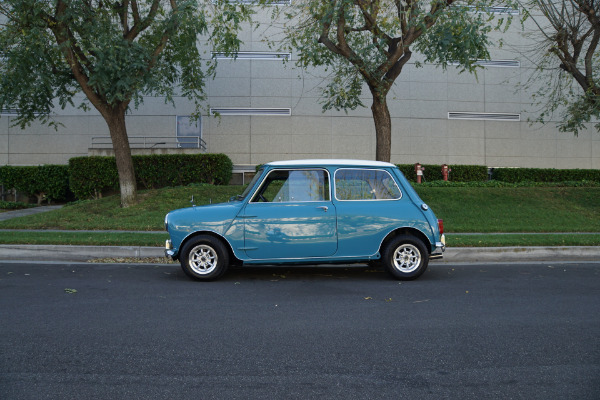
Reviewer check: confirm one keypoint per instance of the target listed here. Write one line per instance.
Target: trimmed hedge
(545, 175)
(46, 182)
(157, 171)
(458, 173)
(91, 176)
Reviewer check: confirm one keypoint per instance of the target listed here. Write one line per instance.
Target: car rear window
(365, 184)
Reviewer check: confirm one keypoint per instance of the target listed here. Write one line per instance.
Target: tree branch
(139, 24)
(72, 54)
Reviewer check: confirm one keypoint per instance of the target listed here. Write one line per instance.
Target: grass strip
(522, 240)
(158, 239)
(85, 238)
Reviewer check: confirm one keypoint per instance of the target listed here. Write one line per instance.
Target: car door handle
(324, 208)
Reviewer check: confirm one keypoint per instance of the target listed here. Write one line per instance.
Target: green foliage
(46, 182)
(579, 111)
(157, 171)
(14, 205)
(502, 184)
(545, 175)
(114, 52)
(371, 41)
(566, 57)
(459, 36)
(92, 176)
(477, 176)
(458, 173)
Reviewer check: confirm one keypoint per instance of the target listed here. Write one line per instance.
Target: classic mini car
(311, 212)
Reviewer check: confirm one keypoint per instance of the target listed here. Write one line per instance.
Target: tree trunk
(118, 134)
(383, 129)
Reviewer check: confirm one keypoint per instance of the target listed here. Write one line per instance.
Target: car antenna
(192, 201)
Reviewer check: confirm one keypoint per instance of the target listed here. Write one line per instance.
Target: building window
(9, 111)
(494, 10)
(477, 116)
(251, 111)
(189, 132)
(268, 2)
(252, 55)
(496, 63)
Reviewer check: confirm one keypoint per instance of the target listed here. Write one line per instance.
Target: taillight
(441, 226)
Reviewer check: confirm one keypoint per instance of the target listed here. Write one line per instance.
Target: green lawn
(157, 239)
(464, 209)
(106, 214)
(85, 238)
(522, 209)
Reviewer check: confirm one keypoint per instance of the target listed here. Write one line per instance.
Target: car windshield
(242, 196)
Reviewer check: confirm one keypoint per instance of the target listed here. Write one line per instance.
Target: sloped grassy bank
(482, 209)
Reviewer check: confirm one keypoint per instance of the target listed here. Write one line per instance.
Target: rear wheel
(204, 258)
(405, 257)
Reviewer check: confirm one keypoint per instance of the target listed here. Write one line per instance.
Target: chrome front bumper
(169, 253)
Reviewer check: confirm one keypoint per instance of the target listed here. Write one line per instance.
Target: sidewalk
(26, 211)
(452, 255)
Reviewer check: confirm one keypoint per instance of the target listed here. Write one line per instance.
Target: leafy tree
(115, 52)
(566, 55)
(371, 41)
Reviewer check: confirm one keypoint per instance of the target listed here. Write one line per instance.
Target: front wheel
(405, 257)
(204, 258)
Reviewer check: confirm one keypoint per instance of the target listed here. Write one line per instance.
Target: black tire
(204, 258)
(405, 257)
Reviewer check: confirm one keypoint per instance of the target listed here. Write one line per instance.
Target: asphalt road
(96, 331)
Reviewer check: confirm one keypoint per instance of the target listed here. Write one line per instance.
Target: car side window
(293, 186)
(365, 184)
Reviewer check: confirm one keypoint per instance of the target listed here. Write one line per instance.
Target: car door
(291, 216)
(369, 206)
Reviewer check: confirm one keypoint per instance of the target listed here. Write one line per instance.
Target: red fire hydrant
(445, 171)
(419, 170)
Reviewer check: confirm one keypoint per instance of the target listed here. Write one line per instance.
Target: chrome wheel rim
(407, 258)
(203, 259)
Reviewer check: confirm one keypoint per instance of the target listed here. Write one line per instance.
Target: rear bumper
(440, 247)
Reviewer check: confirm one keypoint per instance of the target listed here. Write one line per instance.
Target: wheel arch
(232, 257)
(406, 231)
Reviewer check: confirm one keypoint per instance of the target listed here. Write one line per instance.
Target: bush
(501, 184)
(545, 175)
(458, 173)
(157, 171)
(91, 176)
(14, 205)
(45, 182)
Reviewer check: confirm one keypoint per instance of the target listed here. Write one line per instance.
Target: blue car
(311, 212)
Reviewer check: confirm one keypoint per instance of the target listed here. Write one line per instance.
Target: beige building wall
(420, 103)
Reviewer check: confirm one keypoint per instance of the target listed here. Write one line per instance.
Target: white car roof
(328, 162)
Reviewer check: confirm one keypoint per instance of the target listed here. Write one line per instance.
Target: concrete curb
(452, 255)
(75, 253)
(519, 254)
